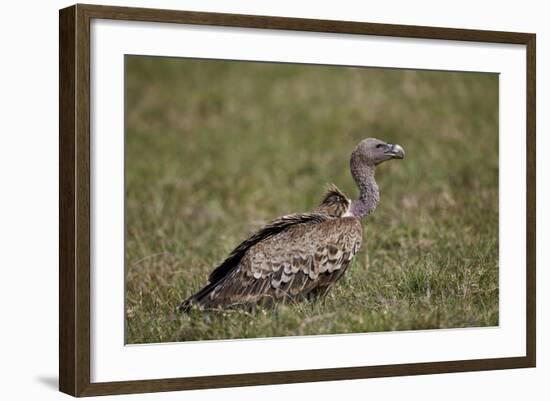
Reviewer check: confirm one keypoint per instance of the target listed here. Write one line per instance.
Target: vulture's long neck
(368, 191)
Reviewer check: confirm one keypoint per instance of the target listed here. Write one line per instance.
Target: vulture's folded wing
(300, 259)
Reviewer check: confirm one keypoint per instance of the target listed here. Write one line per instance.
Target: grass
(215, 149)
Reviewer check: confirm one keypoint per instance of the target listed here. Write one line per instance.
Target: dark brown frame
(74, 199)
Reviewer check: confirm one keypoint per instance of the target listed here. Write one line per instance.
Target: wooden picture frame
(74, 200)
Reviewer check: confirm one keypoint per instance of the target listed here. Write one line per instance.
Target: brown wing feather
(222, 277)
(303, 258)
(274, 227)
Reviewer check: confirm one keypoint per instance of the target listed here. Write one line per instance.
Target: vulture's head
(372, 152)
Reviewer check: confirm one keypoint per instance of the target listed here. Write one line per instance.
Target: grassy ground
(215, 149)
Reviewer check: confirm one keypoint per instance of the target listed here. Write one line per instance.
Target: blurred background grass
(214, 149)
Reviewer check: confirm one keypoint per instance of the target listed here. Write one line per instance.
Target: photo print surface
(272, 199)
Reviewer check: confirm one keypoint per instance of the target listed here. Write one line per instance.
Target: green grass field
(215, 149)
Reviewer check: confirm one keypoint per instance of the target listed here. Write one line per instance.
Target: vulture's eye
(380, 145)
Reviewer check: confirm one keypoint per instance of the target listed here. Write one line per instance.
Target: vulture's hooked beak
(395, 151)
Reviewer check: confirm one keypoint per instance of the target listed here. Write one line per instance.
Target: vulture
(300, 255)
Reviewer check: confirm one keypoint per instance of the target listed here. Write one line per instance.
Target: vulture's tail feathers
(199, 299)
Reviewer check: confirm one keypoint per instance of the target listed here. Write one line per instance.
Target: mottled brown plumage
(299, 255)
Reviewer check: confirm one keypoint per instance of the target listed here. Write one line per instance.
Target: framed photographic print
(250, 200)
